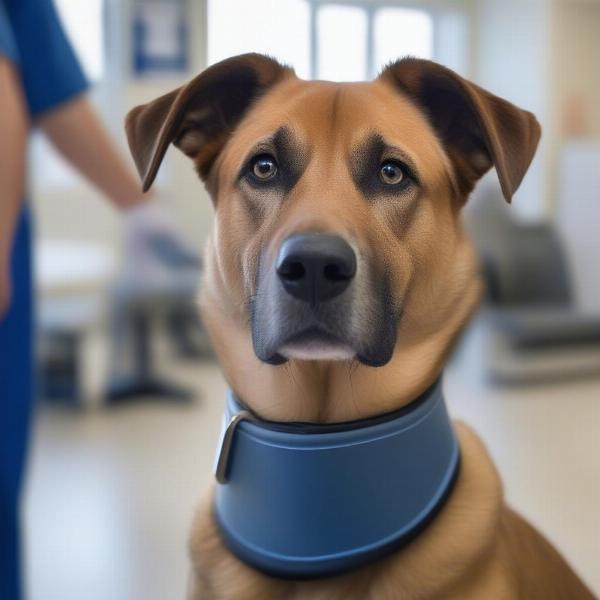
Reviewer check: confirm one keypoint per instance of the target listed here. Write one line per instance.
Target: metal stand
(143, 383)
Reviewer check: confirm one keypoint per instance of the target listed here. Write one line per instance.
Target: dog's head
(337, 233)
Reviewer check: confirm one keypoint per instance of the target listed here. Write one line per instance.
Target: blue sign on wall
(160, 37)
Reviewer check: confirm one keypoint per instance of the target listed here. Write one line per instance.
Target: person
(41, 85)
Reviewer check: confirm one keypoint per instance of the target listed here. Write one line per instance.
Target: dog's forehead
(336, 118)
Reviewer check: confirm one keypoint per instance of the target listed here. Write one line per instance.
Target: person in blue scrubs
(41, 85)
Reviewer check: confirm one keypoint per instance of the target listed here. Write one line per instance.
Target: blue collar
(299, 501)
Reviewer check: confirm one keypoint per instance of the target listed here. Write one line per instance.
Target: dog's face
(337, 233)
(328, 197)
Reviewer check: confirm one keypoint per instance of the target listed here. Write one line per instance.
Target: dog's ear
(199, 116)
(477, 128)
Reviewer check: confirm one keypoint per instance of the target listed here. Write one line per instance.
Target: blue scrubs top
(31, 36)
(36, 41)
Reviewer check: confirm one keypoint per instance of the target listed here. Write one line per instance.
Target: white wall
(511, 60)
(576, 60)
(540, 54)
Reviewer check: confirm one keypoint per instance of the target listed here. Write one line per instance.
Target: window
(401, 32)
(280, 28)
(355, 41)
(340, 40)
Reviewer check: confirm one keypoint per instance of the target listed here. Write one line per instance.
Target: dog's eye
(264, 167)
(391, 173)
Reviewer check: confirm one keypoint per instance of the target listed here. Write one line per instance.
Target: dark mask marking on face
(291, 158)
(255, 207)
(365, 166)
(378, 347)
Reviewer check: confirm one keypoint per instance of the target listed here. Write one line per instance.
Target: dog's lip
(315, 333)
(276, 359)
(308, 335)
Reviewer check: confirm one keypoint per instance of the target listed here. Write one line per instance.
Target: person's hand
(148, 218)
(5, 287)
(154, 248)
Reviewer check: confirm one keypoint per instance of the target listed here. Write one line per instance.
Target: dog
(369, 177)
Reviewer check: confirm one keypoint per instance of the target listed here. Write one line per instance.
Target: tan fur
(476, 548)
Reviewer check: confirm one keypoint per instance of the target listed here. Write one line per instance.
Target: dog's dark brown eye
(391, 173)
(264, 167)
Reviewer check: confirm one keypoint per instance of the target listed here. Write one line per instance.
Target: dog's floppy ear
(477, 128)
(199, 116)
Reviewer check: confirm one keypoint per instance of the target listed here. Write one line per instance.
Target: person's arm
(78, 134)
(13, 137)
(54, 85)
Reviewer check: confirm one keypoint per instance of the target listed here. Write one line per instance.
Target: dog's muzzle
(322, 301)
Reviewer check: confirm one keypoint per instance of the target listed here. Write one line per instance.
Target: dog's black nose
(315, 267)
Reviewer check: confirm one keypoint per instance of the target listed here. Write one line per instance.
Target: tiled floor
(111, 492)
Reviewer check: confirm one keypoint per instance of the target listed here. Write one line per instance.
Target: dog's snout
(315, 267)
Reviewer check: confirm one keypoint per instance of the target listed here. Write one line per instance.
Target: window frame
(436, 9)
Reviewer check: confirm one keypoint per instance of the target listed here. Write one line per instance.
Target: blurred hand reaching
(154, 249)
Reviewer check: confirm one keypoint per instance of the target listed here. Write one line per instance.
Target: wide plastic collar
(298, 500)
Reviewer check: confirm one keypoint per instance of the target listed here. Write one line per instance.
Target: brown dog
(381, 171)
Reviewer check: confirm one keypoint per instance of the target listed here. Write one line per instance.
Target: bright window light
(279, 28)
(342, 43)
(402, 32)
(83, 22)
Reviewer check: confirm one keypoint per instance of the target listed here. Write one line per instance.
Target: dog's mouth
(315, 343)
(319, 343)
(310, 342)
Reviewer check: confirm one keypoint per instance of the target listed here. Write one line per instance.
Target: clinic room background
(130, 396)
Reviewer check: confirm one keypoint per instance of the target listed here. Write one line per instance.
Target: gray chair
(535, 330)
